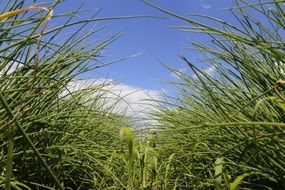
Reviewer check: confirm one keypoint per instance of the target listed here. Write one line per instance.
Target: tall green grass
(52, 137)
(227, 129)
(57, 131)
(223, 131)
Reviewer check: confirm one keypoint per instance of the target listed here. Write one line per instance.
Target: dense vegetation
(223, 130)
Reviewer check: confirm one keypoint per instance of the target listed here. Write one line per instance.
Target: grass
(222, 131)
(51, 138)
(235, 115)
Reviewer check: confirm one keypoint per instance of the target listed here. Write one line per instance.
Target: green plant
(224, 115)
(50, 135)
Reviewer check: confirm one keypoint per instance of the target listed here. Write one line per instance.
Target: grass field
(222, 131)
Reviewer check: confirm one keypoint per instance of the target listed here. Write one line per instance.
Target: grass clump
(227, 129)
(51, 137)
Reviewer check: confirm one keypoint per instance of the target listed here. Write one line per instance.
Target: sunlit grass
(237, 113)
(224, 130)
(50, 138)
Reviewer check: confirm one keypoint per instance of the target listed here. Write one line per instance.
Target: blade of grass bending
(32, 7)
(11, 114)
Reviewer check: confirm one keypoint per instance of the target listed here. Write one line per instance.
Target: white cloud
(130, 100)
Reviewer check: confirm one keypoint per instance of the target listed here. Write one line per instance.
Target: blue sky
(153, 38)
(141, 77)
